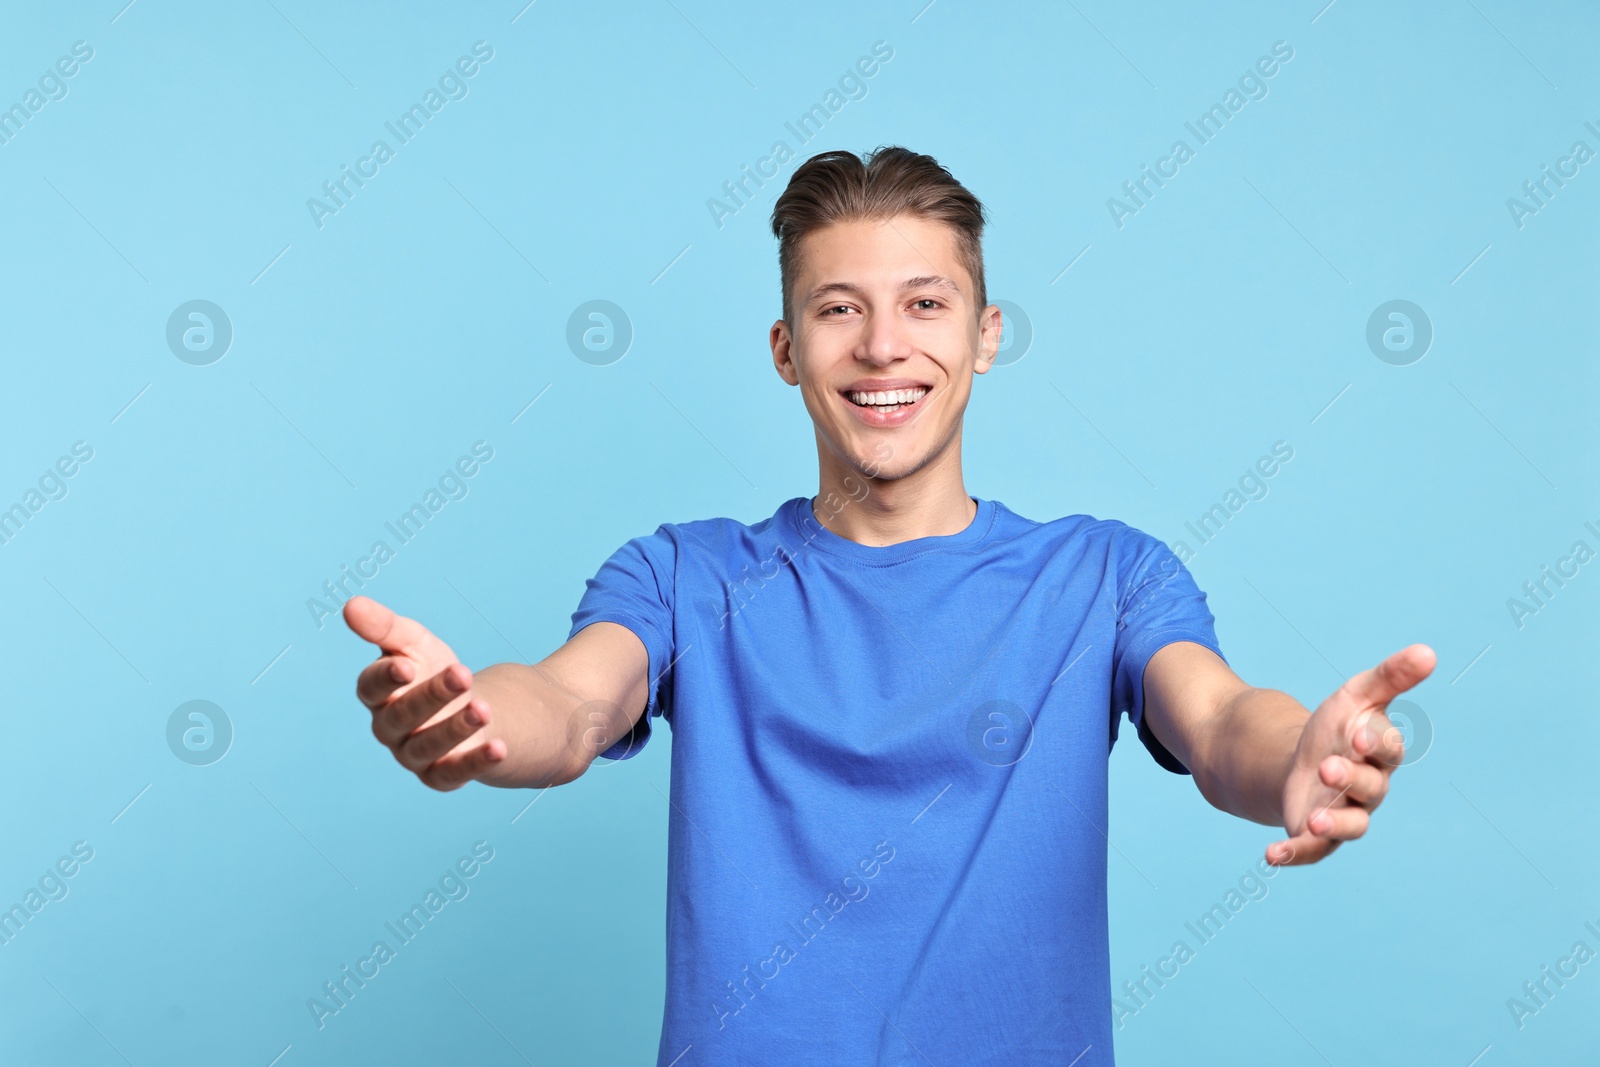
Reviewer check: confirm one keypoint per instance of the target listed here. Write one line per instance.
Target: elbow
(1210, 788)
(576, 767)
(509, 775)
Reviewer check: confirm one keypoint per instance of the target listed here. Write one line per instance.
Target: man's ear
(989, 328)
(783, 352)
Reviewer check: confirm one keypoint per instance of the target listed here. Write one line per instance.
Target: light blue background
(374, 351)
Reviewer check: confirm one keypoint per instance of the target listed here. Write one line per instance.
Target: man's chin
(880, 467)
(881, 457)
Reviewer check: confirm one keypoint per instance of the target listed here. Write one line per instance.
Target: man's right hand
(421, 699)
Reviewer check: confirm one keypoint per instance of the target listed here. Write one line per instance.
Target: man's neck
(932, 502)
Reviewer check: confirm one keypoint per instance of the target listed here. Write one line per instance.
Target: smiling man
(892, 703)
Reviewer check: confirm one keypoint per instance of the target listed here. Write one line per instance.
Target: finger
(374, 622)
(380, 678)
(1362, 783)
(429, 743)
(391, 723)
(1340, 824)
(455, 770)
(1377, 740)
(1299, 850)
(1393, 676)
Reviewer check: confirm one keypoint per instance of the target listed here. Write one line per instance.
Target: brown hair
(839, 186)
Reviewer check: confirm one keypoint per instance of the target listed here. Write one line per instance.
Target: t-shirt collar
(802, 521)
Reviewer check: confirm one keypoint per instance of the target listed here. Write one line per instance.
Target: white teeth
(889, 397)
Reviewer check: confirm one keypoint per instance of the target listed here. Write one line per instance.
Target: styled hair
(840, 186)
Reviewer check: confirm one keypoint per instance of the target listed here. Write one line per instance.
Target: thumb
(372, 621)
(1397, 673)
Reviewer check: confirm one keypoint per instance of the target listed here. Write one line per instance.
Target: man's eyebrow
(937, 281)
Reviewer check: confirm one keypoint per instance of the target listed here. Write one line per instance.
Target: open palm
(1347, 752)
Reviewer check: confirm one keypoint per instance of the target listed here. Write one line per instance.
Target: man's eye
(929, 300)
(836, 307)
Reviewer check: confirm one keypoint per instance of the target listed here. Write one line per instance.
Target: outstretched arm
(512, 724)
(1260, 755)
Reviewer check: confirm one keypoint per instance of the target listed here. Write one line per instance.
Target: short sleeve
(634, 588)
(1158, 603)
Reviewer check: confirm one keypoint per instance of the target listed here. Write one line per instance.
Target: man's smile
(886, 402)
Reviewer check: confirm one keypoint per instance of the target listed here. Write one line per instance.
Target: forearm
(537, 719)
(1244, 762)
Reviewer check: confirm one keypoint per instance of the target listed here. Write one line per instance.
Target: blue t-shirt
(887, 837)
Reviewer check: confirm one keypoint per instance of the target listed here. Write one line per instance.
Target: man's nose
(883, 341)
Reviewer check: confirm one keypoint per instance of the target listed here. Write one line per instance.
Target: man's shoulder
(721, 532)
(1075, 528)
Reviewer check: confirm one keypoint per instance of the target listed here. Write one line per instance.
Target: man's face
(885, 342)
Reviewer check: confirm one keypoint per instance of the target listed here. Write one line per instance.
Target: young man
(892, 703)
